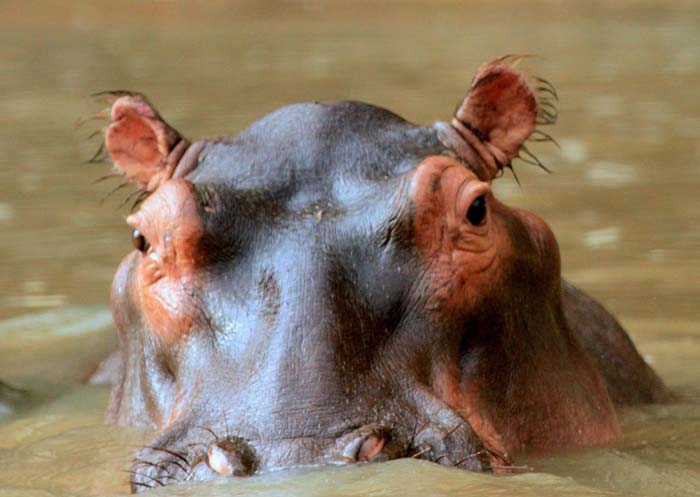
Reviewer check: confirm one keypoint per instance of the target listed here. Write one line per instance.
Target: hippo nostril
(363, 444)
(220, 460)
(231, 457)
(371, 446)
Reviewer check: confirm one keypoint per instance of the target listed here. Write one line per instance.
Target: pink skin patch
(467, 261)
(218, 460)
(498, 114)
(372, 446)
(463, 265)
(170, 222)
(443, 190)
(140, 142)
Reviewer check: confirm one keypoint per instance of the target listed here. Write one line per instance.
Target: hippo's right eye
(140, 242)
(477, 211)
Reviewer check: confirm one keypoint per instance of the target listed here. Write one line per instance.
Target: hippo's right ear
(499, 112)
(141, 144)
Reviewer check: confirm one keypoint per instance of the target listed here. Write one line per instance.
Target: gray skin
(315, 338)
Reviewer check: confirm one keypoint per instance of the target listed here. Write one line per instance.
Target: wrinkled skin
(336, 284)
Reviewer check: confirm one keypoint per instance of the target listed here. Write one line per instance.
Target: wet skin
(336, 284)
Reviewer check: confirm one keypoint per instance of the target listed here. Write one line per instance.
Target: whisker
(514, 59)
(543, 112)
(160, 466)
(95, 133)
(129, 198)
(132, 482)
(449, 433)
(545, 118)
(512, 468)
(172, 453)
(152, 464)
(417, 430)
(470, 456)
(195, 444)
(99, 156)
(527, 161)
(532, 156)
(103, 115)
(136, 473)
(546, 83)
(100, 160)
(106, 177)
(142, 196)
(228, 433)
(550, 112)
(114, 190)
(541, 136)
(549, 90)
(515, 175)
(113, 93)
(440, 458)
(202, 427)
(543, 103)
(503, 457)
(421, 452)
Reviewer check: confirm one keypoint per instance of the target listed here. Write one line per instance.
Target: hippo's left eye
(477, 211)
(140, 242)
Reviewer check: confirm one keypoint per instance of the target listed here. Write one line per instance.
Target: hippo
(336, 285)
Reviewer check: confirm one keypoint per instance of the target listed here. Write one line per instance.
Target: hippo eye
(477, 211)
(140, 242)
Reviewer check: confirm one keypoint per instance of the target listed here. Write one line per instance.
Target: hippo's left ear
(143, 147)
(500, 111)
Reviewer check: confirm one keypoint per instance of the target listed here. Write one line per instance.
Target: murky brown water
(623, 200)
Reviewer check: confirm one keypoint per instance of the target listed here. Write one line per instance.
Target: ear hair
(502, 109)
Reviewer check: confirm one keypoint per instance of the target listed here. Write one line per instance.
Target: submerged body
(336, 284)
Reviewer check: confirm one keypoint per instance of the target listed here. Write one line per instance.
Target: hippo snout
(215, 456)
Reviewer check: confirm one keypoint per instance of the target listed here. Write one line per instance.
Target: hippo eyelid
(477, 212)
(141, 224)
(468, 192)
(139, 241)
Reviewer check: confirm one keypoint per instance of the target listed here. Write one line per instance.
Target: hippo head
(336, 284)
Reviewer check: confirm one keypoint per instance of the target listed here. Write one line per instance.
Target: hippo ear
(141, 144)
(501, 109)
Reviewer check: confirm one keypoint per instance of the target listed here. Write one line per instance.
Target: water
(623, 201)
